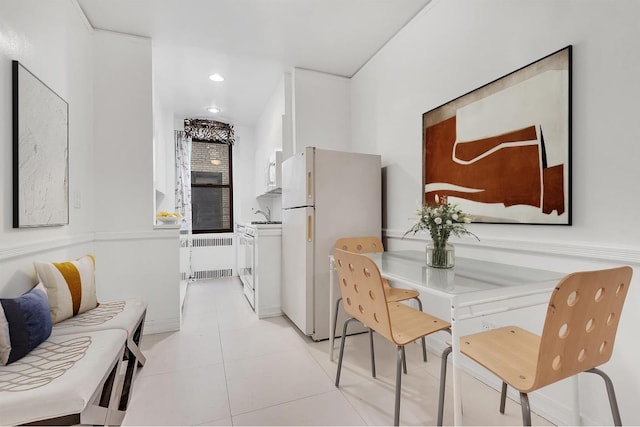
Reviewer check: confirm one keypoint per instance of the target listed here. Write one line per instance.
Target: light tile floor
(227, 367)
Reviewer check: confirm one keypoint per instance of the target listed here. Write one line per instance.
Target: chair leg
(443, 383)
(612, 395)
(373, 357)
(344, 336)
(423, 339)
(400, 360)
(335, 317)
(526, 409)
(503, 397)
(404, 361)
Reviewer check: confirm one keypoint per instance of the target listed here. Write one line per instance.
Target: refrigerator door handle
(309, 186)
(309, 228)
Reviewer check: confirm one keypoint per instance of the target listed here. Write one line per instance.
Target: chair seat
(399, 294)
(511, 353)
(409, 324)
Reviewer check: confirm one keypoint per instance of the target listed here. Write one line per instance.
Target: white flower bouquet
(441, 220)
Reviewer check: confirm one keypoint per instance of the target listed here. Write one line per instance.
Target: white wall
(56, 53)
(110, 158)
(455, 46)
(146, 265)
(321, 111)
(164, 156)
(53, 42)
(268, 138)
(136, 259)
(244, 190)
(268, 134)
(123, 131)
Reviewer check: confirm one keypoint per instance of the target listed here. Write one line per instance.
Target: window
(211, 187)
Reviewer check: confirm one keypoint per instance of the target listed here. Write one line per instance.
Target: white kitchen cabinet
(268, 271)
(272, 181)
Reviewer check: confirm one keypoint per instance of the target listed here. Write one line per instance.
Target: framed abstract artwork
(40, 153)
(503, 151)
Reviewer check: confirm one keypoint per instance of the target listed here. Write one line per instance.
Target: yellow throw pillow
(71, 286)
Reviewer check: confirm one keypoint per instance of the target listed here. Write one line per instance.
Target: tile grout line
(224, 366)
(317, 351)
(355, 410)
(224, 369)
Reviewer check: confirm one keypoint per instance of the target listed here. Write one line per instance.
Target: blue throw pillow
(24, 323)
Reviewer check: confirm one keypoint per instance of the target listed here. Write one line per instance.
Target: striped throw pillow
(71, 286)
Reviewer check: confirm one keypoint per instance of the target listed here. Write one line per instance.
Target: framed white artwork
(40, 153)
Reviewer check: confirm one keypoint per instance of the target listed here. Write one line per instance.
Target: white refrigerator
(326, 195)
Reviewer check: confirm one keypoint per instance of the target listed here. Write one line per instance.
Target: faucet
(266, 215)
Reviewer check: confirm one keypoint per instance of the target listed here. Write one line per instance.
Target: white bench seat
(66, 375)
(127, 315)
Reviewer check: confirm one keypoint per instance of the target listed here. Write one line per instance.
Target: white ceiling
(250, 42)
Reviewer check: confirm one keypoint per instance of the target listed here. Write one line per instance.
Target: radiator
(207, 256)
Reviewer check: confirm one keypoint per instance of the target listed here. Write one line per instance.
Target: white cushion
(58, 377)
(108, 315)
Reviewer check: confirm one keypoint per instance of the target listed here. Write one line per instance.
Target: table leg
(575, 409)
(457, 373)
(331, 309)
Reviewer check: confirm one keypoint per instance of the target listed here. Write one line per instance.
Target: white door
(297, 266)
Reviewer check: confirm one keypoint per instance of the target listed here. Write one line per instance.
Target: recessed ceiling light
(216, 77)
(213, 110)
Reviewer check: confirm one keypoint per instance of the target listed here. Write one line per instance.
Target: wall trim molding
(588, 250)
(161, 234)
(44, 245)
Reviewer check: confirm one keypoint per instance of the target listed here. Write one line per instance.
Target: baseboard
(161, 325)
(270, 312)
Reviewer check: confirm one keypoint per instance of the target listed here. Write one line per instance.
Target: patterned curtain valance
(209, 130)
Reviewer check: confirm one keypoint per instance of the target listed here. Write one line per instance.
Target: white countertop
(261, 226)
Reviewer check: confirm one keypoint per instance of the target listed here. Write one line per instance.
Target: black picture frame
(502, 152)
(40, 152)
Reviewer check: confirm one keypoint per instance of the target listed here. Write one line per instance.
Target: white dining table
(474, 289)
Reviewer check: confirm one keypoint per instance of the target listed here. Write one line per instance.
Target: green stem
(439, 257)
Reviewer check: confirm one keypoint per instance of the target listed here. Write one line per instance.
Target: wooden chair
(578, 335)
(365, 300)
(372, 244)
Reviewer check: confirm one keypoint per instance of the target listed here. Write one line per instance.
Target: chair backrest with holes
(362, 293)
(581, 323)
(360, 245)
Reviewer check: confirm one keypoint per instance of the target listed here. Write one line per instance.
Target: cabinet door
(268, 272)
